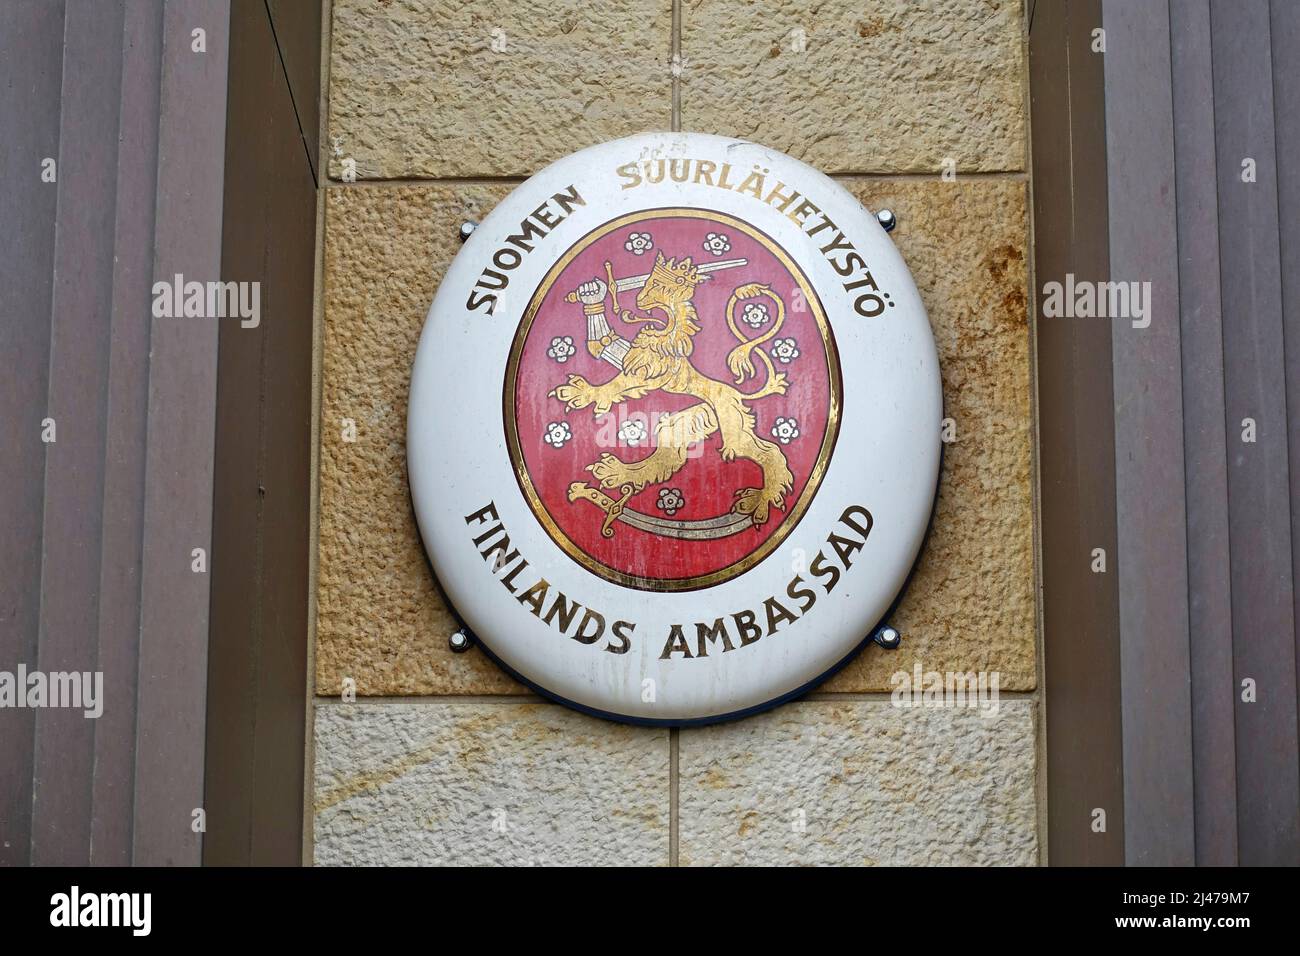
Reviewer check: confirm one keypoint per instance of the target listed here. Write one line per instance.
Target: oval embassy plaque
(673, 436)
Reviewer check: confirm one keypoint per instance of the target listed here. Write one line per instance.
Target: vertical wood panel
(74, 465)
(127, 410)
(178, 486)
(237, 554)
(1208, 574)
(285, 448)
(1285, 34)
(1076, 436)
(1268, 782)
(1151, 560)
(31, 48)
(1052, 197)
(258, 672)
(1096, 624)
(298, 32)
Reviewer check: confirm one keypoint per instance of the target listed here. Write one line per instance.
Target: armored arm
(602, 343)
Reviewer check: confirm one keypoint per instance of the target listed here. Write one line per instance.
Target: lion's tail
(739, 360)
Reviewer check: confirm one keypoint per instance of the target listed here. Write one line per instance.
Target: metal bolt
(466, 228)
(887, 637)
(459, 642)
(887, 219)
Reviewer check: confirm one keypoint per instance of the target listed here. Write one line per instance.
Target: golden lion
(660, 358)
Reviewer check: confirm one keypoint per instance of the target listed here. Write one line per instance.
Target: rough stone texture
(422, 784)
(971, 604)
(418, 90)
(380, 617)
(876, 784)
(890, 86)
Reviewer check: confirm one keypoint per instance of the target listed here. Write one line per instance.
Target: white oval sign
(674, 421)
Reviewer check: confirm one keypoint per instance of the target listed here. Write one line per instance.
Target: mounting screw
(887, 219)
(459, 641)
(887, 637)
(466, 229)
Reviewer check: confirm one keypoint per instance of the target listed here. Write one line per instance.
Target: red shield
(672, 399)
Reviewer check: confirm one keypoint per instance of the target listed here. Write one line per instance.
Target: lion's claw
(577, 394)
(756, 503)
(612, 472)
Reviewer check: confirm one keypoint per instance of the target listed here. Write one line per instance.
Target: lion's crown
(676, 271)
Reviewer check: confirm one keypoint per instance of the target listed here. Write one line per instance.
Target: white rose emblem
(670, 499)
(785, 430)
(561, 348)
(785, 351)
(632, 431)
(716, 243)
(638, 242)
(557, 433)
(755, 315)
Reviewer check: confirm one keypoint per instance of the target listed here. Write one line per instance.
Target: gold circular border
(814, 478)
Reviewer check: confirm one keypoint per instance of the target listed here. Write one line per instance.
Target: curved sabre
(720, 526)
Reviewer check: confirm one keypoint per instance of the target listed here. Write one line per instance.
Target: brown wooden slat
(1205, 456)
(1285, 35)
(298, 33)
(127, 410)
(1053, 220)
(74, 465)
(178, 483)
(1151, 558)
(1096, 624)
(286, 467)
(31, 49)
(258, 666)
(1263, 625)
(1076, 443)
(237, 563)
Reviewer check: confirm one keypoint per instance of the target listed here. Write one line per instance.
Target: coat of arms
(672, 398)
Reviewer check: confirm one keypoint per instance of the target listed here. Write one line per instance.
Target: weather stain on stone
(1000, 260)
(715, 779)
(372, 780)
(1005, 264)
(872, 28)
(1014, 303)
